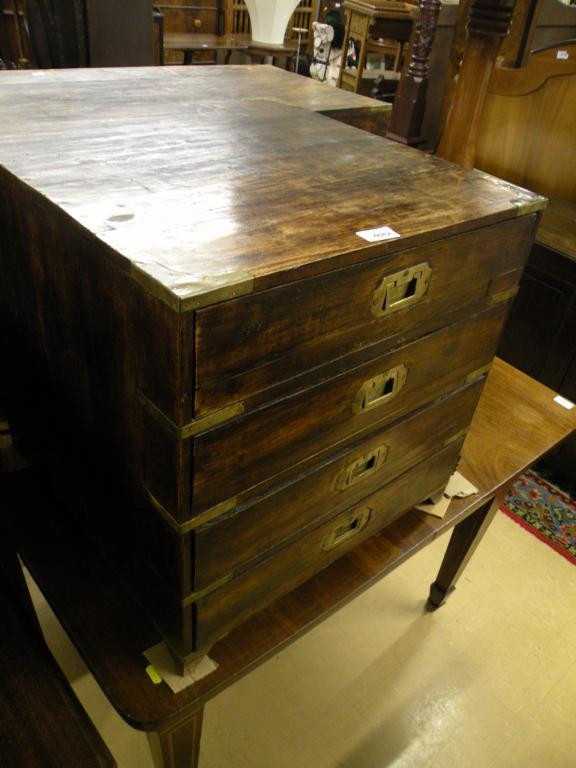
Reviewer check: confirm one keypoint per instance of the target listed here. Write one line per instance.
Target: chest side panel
(85, 341)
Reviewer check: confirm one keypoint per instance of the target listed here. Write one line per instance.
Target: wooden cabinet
(539, 337)
(231, 385)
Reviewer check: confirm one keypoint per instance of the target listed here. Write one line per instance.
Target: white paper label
(374, 235)
(563, 402)
(562, 55)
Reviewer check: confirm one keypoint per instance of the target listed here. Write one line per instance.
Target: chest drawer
(218, 612)
(255, 343)
(304, 428)
(227, 544)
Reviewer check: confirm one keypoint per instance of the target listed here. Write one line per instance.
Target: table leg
(180, 744)
(465, 538)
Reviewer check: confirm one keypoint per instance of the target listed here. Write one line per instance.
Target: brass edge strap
(224, 508)
(496, 298)
(525, 201)
(200, 424)
(184, 293)
(525, 206)
(193, 597)
(477, 374)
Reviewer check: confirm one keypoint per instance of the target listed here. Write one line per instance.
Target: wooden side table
(372, 19)
(517, 421)
(190, 43)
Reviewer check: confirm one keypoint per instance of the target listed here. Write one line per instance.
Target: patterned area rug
(545, 510)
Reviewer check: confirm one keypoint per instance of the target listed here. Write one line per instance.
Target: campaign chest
(230, 385)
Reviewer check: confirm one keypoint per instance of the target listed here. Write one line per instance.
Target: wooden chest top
(213, 183)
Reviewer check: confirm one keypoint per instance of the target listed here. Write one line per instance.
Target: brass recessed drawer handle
(362, 467)
(380, 390)
(401, 289)
(346, 529)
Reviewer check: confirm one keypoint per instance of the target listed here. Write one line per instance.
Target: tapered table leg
(465, 538)
(180, 745)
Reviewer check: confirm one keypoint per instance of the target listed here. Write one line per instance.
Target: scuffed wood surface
(194, 174)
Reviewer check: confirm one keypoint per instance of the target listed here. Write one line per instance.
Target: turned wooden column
(410, 101)
(488, 26)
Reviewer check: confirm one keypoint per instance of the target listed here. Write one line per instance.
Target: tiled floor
(488, 681)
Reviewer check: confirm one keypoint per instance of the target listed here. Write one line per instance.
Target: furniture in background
(553, 21)
(488, 25)
(528, 124)
(76, 33)
(410, 102)
(527, 135)
(517, 421)
(238, 20)
(15, 47)
(535, 24)
(516, 119)
(192, 31)
(196, 34)
(376, 26)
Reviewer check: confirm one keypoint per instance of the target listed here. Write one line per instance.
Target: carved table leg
(465, 538)
(410, 101)
(180, 744)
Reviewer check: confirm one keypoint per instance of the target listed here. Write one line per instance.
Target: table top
(198, 178)
(391, 9)
(517, 421)
(193, 41)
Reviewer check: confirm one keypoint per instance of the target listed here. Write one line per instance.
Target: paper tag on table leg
(459, 486)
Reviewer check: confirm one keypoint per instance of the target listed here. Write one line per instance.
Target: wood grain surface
(255, 342)
(192, 187)
(557, 229)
